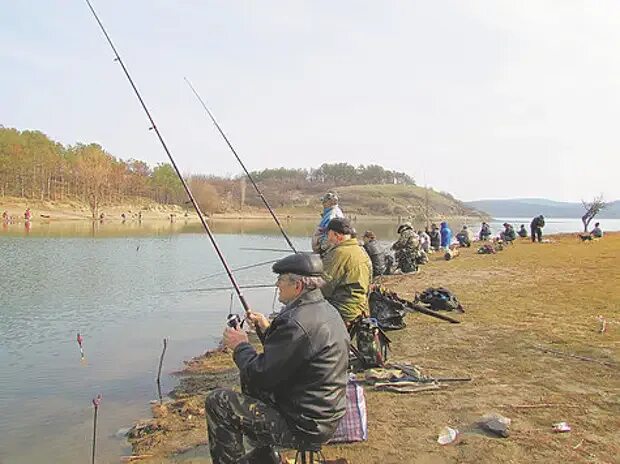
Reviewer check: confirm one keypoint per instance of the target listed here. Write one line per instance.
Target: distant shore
(75, 211)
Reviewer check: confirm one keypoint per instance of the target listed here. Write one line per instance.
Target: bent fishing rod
(247, 173)
(153, 127)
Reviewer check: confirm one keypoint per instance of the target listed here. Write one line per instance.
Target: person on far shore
(27, 214)
(5, 216)
(597, 232)
(522, 231)
(446, 235)
(536, 228)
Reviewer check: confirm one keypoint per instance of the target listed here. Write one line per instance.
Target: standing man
(536, 228)
(294, 391)
(348, 272)
(331, 210)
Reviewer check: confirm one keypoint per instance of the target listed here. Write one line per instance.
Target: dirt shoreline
(530, 310)
(151, 211)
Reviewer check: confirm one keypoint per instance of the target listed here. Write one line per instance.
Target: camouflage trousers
(405, 260)
(243, 429)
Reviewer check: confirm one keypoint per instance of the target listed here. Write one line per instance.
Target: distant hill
(530, 207)
(375, 200)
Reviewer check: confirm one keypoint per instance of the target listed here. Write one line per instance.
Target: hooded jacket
(446, 235)
(348, 273)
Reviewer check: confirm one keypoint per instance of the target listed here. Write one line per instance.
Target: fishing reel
(234, 321)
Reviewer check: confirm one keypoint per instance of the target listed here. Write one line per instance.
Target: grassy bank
(527, 299)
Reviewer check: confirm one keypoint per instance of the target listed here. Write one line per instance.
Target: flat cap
(305, 264)
(341, 225)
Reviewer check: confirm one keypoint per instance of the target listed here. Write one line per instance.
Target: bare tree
(592, 209)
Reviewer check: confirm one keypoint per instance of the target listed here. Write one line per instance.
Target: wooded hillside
(35, 167)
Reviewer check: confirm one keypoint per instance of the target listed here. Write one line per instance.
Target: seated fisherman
(597, 232)
(522, 231)
(508, 234)
(406, 248)
(435, 237)
(375, 253)
(485, 231)
(464, 237)
(347, 271)
(294, 391)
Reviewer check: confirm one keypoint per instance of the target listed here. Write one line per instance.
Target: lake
(119, 285)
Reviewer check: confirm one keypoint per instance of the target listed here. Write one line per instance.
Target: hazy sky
(484, 99)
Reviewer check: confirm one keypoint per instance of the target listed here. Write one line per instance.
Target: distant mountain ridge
(530, 207)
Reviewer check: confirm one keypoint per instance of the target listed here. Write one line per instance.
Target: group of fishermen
(293, 393)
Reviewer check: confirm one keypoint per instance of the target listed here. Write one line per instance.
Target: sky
(482, 99)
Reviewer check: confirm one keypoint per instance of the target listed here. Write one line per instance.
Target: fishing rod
(242, 268)
(247, 173)
(153, 127)
(215, 289)
(277, 250)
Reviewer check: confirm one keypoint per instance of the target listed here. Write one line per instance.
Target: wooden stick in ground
(161, 363)
(96, 403)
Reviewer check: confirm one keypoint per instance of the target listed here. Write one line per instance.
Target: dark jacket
(304, 364)
(537, 222)
(435, 238)
(377, 257)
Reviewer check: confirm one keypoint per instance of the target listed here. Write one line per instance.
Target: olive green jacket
(348, 273)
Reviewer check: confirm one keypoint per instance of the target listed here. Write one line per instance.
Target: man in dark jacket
(376, 254)
(536, 227)
(435, 237)
(300, 377)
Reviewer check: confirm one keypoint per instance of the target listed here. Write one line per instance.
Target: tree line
(33, 166)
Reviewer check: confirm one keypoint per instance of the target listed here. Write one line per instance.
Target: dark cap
(341, 225)
(305, 264)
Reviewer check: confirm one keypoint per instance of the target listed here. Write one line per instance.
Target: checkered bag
(354, 425)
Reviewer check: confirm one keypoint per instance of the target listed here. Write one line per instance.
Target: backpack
(372, 343)
(388, 312)
(439, 299)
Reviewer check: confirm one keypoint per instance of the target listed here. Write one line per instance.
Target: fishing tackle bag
(388, 312)
(372, 343)
(439, 299)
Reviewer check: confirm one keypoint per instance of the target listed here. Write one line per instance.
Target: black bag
(388, 311)
(372, 343)
(440, 299)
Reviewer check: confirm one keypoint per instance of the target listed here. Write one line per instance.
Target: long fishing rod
(242, 268)
(219, 253)
(214, 289)
(247, 173)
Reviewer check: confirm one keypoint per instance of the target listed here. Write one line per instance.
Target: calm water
(118, 285)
